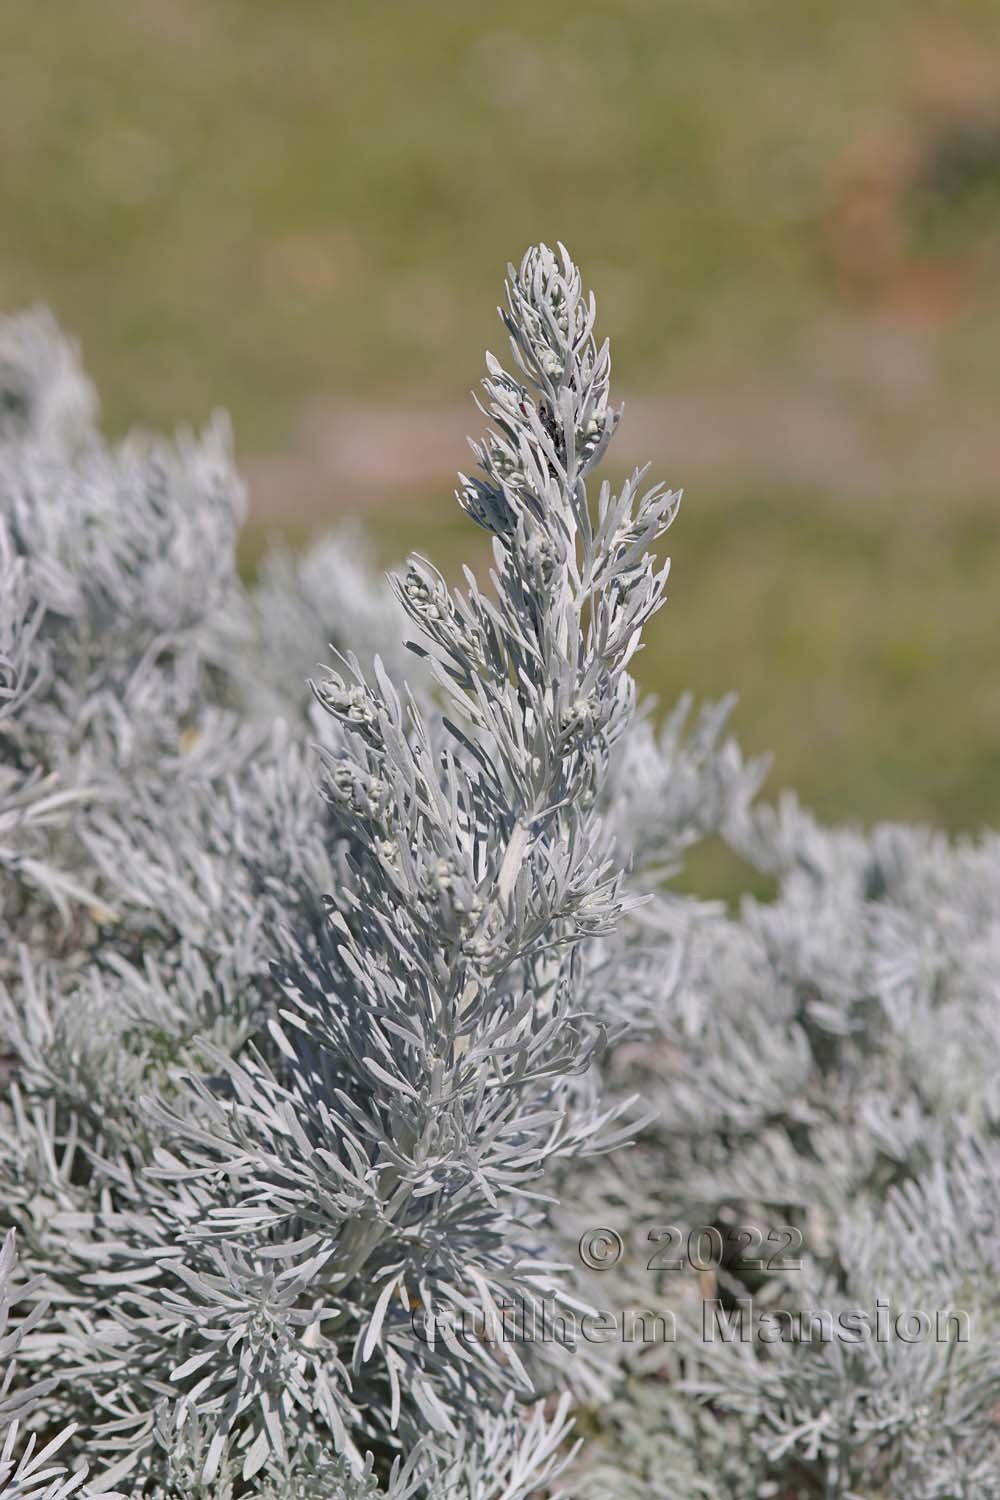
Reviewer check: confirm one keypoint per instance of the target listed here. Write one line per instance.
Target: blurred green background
(791, 215)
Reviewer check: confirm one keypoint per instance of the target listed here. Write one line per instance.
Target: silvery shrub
(346, 990)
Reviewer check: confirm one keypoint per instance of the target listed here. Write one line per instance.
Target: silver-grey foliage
(829, 1061)
(324, 1012)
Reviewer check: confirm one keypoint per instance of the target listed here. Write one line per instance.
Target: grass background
(790, 212)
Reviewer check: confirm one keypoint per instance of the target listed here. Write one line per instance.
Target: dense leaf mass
(334, 1017)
